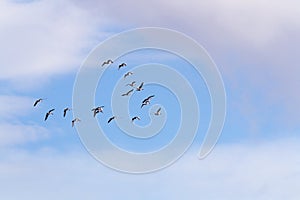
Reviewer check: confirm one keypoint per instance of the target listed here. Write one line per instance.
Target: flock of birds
(99, 109)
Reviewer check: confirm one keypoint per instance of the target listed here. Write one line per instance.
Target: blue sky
(253, 43)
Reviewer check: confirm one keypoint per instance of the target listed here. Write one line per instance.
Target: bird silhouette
(131, 84)
(135, 118)
(107, 62)
(37, 101)
(65, 111)
(128, 93)
(75, 120)
(97, 110)
(158, 112)
(147, 101)
(122, 65)
(127, 74)
(110, 119)
(140, 88)
(50, 112)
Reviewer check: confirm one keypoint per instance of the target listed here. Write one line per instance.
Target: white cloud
(18, 134)
(12, 106)
(13, 131)
(254, 22)
(269, 170)
(44, 38)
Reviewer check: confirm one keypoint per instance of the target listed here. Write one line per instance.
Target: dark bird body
(65, 111)
(37, 101)
(50, 112)
(135, 118)
(128, 93)
(147, 101)
(110, 119)
(107, 62)
(140, 88)
(97, 110)
(158, 112)
(122, 65)
(131, 84)
(75, 120)
(128, 74)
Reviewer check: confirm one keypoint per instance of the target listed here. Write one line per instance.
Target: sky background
(255, 46)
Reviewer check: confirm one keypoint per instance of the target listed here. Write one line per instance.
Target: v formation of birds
(99, 109)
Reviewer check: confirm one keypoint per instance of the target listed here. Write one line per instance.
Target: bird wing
(51, 110)
(73, 123)
(130, 91)
(110, 119)
(95, 112)
(35, 103)
(141, 85)
(46, 117)
(159, 110)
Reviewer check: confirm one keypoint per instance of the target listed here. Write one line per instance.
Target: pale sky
(253, 43)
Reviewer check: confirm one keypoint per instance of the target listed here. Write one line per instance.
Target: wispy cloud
(268, 170)
(42, 38)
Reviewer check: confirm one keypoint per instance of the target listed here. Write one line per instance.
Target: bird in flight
(140, 88)
(107, 62)
(158, 112)
(66, 110)
(110, 119)
(50, 112)
(122, 65)
(135, 118)
(97, 110)
(75, 120)
(131, 84)
(128, 93)
(147, 101)
(37, 101)
(128, 74)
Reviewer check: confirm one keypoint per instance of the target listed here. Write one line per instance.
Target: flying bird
(66, 110)
(131, 84)
(128, 93)
(158, 112)
(97, 110)
(50, 112)
(147, 101)
(110, 119)
(37, 101)
(134, 118)
(148, 98)
(75, 120)
(122, 65)
(140, 88)
(107, 62)
(128, 74)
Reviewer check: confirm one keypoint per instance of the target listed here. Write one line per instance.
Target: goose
(97, 110)
(122, 65)
(107, 62)
(158, 112)
(37, 101)
(148, 98)
(66, 110)
(110, 119)
(147, 101)
(50, 112)
(134, 118)
(128, 93)
(128, 74)
(131, 84)
(140, 88)
(75, 120)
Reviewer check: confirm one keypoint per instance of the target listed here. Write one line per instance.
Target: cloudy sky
(253, 43)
